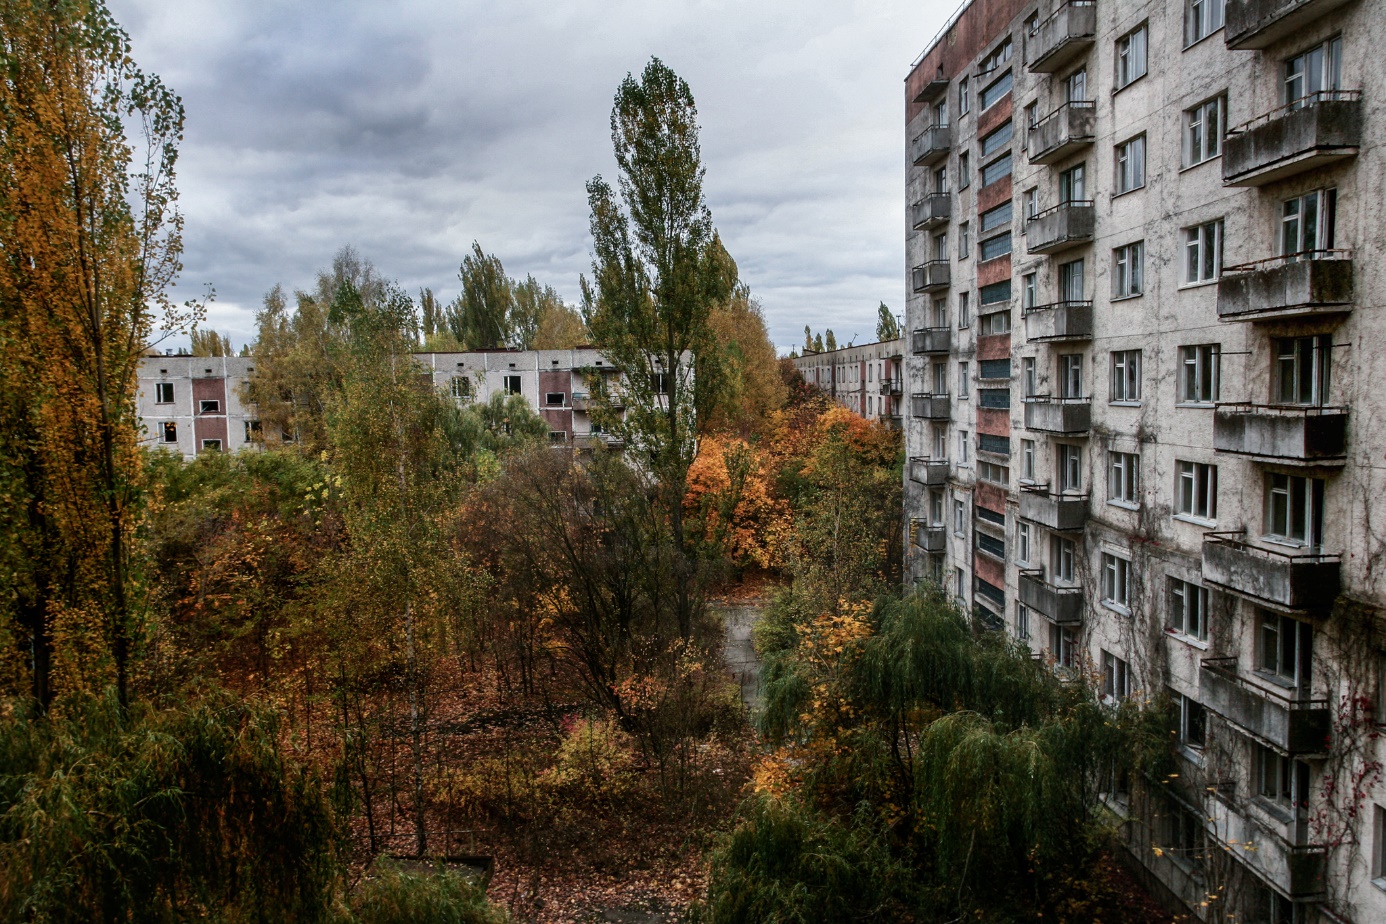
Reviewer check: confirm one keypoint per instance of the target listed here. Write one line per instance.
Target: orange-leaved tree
(89, 241)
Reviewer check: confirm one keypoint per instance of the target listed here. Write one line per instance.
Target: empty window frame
(1188, 609)
(1196, 490)
(1126, 376)
(1069, 459)
(512, 384)
(1192, 721)
(1303, 366)
(168, 432)
(554, 398)
(163, 393)
(1116, 581)
(1284, 648)
(1128, 270)
(1200, 371)
(1116, 677)
(1294, 509)
(212, 445)
(1308, 222)
(1063, 559)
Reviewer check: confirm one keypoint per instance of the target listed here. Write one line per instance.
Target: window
(1130, 165)
(998, 169)
(1071, 285)
(964, 386)
(941, 246)
(1294, 509)
(964, 104)
(959, 518)
(661, 382)
(998, 322)
(554, 398)
(1031, 202)
(168, 432)
(1022, 541)
(1028, 376)
(1123, 477)
(1070, 461)
(1188, 609)
(460, 387)
(959, 583)
(935, 507)
(253, 431)
(1063, 559)
(209, 406)
(1313, 71)
(1192, 719)
(211, 445)
(940, 318)
(1281, 780)
(995, 140)
(1203, 128)
(1116, 677)
(1022, 623)
(1116, 581)
(962, 447)
(964, 171)
(1027, 460)
(163, 393)
(1031, 115)
(1379, 845)
(1203, 252)
(995, 218)
(512, 384)
(964, 240)
(1063, 645)
(1200, 365)
(1128, 270)
(1072, 185)
(940, 371)
(1196, 493)
(941, 112)
(993, 91)
(994, 369)
(964, 309)
(1302, 368)
(1076, 86)
(941, 179)
(940, 434)
(996, 445)
(994, 293)
(994, 247)
(1071, 375)
(1126, 376)
(1307, 222)
(996, 57)
(1183, 836)
(1130, 57)
(999, 398)
(1029, 291)
(1201, 19)
(992, 471)
(558, 436)
(1284, 648)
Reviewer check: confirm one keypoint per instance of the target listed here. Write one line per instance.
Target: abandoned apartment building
(866, 379)
(1144, 351)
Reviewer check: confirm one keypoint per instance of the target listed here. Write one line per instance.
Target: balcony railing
(930, 407)
(1059, 511)
(1068, 416)
(1260, 23)
(931, 145)
(1312, 282)
(930, 537)
(1309, 133)
(1060, 39)
(932, 340)
(890, 386)
(1060, 604)
(1293, 725)
(931, 275)
(1300, 581)
(1059, 321)
(1295, 870)
(1068, 224)
(933, 210)
(929, 471)
(1282, 432)
(1065, 131)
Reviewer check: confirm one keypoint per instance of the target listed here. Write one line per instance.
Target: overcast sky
(408, 129)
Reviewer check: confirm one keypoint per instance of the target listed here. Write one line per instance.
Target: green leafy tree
(830, 340)
(561, 328)
(657, 274)
(210, 343)
(531, 303)
(480, 317)
(887, 328)
(808, 339)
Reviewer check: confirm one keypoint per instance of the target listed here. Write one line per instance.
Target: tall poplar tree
(89, 241)
(657, 273)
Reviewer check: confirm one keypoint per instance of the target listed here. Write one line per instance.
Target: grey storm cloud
(408, 130)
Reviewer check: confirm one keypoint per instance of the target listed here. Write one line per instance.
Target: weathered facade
(867, 379)
(191, 404)
(1144, 322)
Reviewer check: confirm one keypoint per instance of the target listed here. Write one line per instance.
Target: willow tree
(89, 242)
(657, 272)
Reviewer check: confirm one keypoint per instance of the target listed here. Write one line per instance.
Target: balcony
(930, 407)
(931, 275)
(1301, 582)
(929, 537)
(933, 89)
(1315, 282)
(1282, 432)
(1064, 416)
(1062, 38)
(1296, 871)
(1064, 131)
(932, 340)
(890, 386)
(931, 211)
(1295, 726)
(1059, 321)
(1069, 224)
(1062, 605)
(1312, 132)
(1057, 511)
(931, 145)
(1259, 23)
(929, 471)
